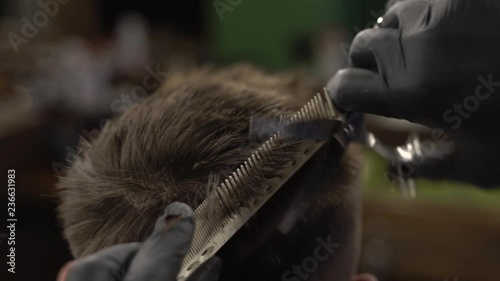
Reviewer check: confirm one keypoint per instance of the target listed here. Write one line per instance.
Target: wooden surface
(417, 240)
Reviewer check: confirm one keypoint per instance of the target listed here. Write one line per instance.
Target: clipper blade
(213, 227)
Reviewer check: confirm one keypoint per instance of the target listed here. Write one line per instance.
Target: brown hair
(179, 143)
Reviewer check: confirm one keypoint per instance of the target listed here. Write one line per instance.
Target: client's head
(184, 139)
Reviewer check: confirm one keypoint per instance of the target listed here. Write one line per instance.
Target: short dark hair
(179, 143)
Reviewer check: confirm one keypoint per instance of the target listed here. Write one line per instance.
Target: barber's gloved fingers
(391, 16)
(380, 48)
(377, 49)
(106, 265)
(354, 89)
(408, 16)
(208, 271)
(172, 213)
(161, 255)
(472, 165)
(391, 3)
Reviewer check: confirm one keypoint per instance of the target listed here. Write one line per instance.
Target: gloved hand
(436, 63)
(158, 258)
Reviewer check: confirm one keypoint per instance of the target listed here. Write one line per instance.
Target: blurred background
(67, 66)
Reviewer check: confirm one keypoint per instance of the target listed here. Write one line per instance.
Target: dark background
(451, 230)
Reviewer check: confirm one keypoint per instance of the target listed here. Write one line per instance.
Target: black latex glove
(156, 259)
(436, 63)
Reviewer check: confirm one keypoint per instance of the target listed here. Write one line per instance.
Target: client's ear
(364, 277)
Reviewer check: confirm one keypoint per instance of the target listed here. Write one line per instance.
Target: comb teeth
(213, 225)
(319, 107)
